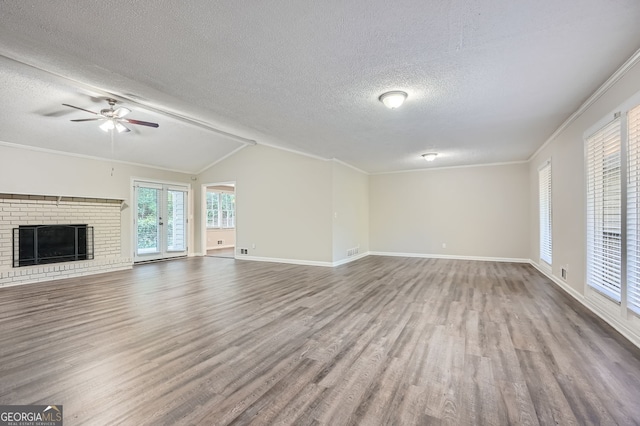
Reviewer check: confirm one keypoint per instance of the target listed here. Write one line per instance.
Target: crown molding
(89, 157)
(621, 72)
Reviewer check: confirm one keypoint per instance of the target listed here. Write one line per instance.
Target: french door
(160, 221)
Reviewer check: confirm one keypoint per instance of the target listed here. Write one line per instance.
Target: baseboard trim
(302, 262)
(283, 260)
(350, 259)
(221, 247)
(614, 322)
(450, 257)
(377, 253)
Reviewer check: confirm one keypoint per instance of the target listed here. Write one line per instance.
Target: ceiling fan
(113, 118)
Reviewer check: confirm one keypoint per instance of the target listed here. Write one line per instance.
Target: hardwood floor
(227, 252)
(380, 341)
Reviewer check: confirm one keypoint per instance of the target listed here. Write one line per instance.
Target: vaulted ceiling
(487, 80)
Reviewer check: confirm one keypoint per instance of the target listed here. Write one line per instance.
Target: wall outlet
(220, 242)
(244, 251)
(253, 245)
(563, 273)
(444, 245)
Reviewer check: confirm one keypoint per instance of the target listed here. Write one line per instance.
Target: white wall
(350, 211)
(25, 171)
(566, 152)
(478, 211)
(283, 203)
(228, 237)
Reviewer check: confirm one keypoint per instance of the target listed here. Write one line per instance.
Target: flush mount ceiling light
(430, 156)
(394, 99)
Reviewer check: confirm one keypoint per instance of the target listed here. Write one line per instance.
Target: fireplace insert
(41, 244)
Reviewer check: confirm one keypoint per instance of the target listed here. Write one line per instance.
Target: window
(213, 210)
(633, 210)
(221, 210)
(544, 182)
(604, 210)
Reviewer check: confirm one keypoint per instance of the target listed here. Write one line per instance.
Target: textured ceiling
(488, 80)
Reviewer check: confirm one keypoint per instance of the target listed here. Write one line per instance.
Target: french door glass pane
(148, 220)
(176, 220)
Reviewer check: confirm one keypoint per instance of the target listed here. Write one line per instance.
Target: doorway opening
(219, 219)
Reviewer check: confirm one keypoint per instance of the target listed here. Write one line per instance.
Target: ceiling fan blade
(121, 112)
(81, 109)
(88, 119)
(143, 123)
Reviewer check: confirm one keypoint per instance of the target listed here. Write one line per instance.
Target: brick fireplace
(101, 214)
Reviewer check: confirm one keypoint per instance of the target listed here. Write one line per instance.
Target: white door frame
(165, 186)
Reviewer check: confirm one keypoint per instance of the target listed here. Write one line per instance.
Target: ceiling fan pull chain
(112, 150)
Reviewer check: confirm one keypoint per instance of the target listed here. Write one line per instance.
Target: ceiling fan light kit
(113, 118)
(112, 124)
(393, 99)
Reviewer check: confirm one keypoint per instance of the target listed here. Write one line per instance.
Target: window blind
(544, 193)
(604, 211)
(633, 210)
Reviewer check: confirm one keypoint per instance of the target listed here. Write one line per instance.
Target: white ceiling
(488, 80)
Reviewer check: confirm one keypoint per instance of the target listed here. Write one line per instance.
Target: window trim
(628, 304)
(589, 268)
(543, 260)
(625, 307)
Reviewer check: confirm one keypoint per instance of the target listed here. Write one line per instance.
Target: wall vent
(353, 251)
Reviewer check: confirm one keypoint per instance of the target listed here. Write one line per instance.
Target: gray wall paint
(283, 203)
(476, 211)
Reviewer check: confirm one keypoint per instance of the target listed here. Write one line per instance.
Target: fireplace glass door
(160, 221)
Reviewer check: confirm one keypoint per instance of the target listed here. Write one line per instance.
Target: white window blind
(604, 210)
(544, 182)
(633, 210)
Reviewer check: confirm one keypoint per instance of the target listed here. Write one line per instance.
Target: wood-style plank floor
(227, 252)
(380, 341)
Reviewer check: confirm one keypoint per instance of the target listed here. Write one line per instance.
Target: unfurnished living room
(320, 213)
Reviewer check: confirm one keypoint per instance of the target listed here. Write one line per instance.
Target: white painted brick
(105, 217)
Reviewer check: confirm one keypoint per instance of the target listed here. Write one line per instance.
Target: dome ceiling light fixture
(430, 156)
(393, 99)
